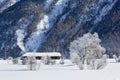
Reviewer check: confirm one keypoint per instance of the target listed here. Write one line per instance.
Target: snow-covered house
(39, 55)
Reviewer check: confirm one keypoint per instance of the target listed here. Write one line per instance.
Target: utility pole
(5, 54)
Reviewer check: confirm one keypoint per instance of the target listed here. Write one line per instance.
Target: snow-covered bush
(46, 60)
(86, 49)
(15, 61)
(99, 63)
(53, 62)
(115, 57)
(80, 65)
(10, 58)
(24, 61)
(118, 58)
(75, 58)
(1, 58)
(32, 63)
(62, 60)
(104, 58)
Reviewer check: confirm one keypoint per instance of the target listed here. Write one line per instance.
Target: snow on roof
(42, 54)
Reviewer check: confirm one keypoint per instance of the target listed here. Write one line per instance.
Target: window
(38, 57)
(55, 57)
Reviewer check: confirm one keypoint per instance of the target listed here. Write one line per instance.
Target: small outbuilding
(40, 55)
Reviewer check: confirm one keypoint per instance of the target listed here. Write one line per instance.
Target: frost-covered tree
(15, 61)
(86, 49)
(46, 60)
(117, 58)
(62, 60)
(9, 59)
(32, 63)
(24, 61)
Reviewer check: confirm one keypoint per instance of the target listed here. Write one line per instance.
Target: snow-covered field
(68, 71)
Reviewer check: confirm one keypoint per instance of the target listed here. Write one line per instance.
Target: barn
(39, 55)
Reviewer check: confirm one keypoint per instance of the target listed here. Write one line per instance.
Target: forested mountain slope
(50, 25)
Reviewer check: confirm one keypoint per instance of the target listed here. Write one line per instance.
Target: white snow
(81, 19)
(48, 3)
(44, 25)
(10, 3)
(24, 22)
(74, 5)
(105, 10)
(37, 37)
(34, 41)
(59, 6)
(67, 71)
(1, 1)
(42, 54)
(95, 8)
(64, 16)
(100, 1)
(20, 37)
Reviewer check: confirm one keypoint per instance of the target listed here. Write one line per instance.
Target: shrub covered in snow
(32, 63)
(10, 58)
(62, 61)
(98, 63)
(15, 61)
(24, 61)
(117, 58)
(46, 60)
(86, 49)
(1, 58)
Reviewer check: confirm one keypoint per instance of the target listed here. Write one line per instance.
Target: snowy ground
(67, 71)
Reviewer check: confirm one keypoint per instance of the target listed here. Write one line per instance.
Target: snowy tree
(115, 57)
(46, 60)
(9, 59)
(62, 60)
(24, 61)
(118, 58)
(15, 61)
(32, 63)
(86, 49)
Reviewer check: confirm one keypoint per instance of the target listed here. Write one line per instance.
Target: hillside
(50, 25)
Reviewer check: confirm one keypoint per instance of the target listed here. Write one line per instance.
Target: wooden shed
(39, 55)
